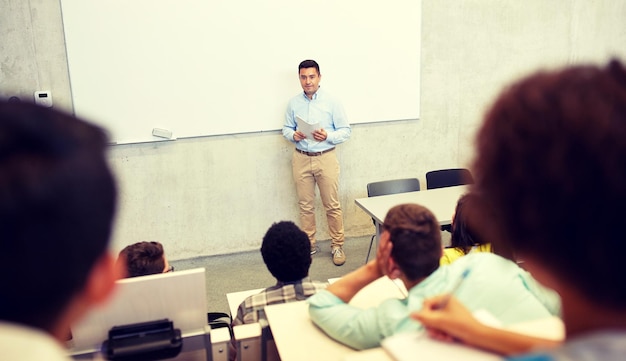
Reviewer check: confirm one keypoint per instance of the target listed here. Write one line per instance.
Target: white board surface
(209, 67)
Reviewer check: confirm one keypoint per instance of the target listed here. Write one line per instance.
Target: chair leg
(369, 249)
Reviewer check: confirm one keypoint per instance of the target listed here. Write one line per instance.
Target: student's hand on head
(298, 136)
(452, 322)
(383, 253)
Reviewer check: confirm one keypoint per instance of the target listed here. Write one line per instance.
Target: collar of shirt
(317, 92)
(281, 283)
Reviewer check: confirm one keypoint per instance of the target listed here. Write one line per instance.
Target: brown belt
(314, 154)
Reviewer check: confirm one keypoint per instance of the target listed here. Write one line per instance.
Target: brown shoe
(339, 256)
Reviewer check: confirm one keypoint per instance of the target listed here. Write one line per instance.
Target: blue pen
(446, 299)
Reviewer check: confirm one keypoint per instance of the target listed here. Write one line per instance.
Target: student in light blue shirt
(410, 248)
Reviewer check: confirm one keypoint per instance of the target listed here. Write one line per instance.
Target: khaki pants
(322, 170)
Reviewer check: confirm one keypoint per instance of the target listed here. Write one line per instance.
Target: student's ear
(101, 280)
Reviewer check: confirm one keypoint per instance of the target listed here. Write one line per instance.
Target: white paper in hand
(307, 128)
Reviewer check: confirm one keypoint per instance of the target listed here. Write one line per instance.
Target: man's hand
(298, 136)
(320, 134)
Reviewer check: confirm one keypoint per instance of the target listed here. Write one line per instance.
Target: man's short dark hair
(57, 200)
(143, 258)
(416, 237)
(551, 164)
(286, 251)
(309, 64)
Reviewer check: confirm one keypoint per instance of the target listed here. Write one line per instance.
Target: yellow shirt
(452, 254)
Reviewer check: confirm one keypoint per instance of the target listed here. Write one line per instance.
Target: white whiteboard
(208, 67)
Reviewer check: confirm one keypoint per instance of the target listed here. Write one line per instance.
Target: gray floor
(244, 271)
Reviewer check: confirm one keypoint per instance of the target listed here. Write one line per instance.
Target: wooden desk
(374, 354)
(298, 339)
(235, 299)
(440, 201)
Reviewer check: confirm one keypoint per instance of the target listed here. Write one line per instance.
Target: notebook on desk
(404, 347)
(407, 347)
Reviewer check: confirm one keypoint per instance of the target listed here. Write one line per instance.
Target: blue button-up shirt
(323, 109)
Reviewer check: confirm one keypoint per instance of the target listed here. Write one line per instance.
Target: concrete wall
(215, 195)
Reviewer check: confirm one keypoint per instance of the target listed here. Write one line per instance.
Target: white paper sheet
(418, 346)
(306, 127)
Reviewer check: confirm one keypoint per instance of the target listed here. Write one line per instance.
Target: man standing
(314, 159)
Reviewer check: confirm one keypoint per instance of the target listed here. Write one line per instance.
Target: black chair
(447, 178)
(390, 187)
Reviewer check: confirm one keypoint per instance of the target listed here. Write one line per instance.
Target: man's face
(309, 80)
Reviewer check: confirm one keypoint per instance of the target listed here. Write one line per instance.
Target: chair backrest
(448, 177)
(393, 186)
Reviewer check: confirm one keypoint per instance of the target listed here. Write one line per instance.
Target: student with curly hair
(551, 172)
(286, 253)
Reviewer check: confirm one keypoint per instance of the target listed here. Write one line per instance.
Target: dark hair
(286, 251)
(462, 236)
(416, 237)
(551, 164)
(309, 64)
(57, 200)
(143, 258)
